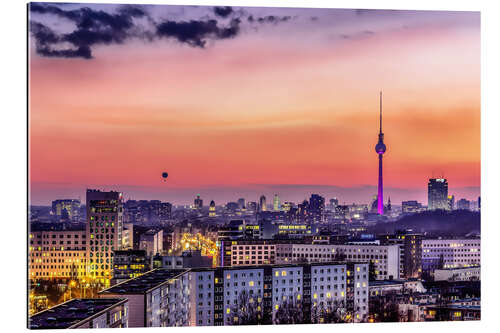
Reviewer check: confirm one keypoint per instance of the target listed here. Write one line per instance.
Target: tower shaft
(380, 196)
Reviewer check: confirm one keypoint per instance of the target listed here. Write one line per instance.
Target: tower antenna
(380, 111)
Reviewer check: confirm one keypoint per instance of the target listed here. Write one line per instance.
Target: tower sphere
(380, 148)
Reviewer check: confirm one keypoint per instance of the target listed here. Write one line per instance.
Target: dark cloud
(81, 52)
(273, 19)
(197, 33)
(97, 27)
(223, 11)
(93, 27)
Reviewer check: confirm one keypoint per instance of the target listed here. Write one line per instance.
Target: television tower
(380, 150)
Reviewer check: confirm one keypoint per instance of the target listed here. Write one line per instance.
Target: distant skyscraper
(437, 190)
(241, 203)
(198, 202)
(211, 209)
(317, 208)
(276, 203)
(262, 203)
(380, 148)
(334, 202)
(463, 204)
(104, 232)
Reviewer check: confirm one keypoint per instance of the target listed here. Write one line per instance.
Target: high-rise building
(380, 149)
(276, 203)
(104, 232)
(211, 209)
(437, 194)
(262, 203)
(241, 203)
(463, 204)
(317, 208)
(198, 202)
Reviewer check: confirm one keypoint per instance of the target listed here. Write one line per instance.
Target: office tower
(104, 232)
(211, 209)
(67, 209)
(276, 203)
(262, 203)
(380, 148)
(437, 194)
(241, 203)
(198, 203)
(463, 204)
(317, 208)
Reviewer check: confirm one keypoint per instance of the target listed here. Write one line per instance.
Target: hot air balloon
(164, 175)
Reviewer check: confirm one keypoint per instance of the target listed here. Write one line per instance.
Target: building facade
(57, 254)
(104, 232)
(437, 194)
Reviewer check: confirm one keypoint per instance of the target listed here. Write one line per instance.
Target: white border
(13, 157)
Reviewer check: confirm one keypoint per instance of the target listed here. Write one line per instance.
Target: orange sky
(269, 107)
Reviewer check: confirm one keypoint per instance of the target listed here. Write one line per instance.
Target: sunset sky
(238, 102)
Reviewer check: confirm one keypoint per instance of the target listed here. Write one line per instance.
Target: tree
(332, 312)
(246, 311)
(290, 312)
(384, 308)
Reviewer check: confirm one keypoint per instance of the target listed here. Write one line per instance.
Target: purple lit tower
(380, 149)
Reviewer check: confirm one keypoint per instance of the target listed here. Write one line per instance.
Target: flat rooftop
(145, 282)
(375, 283)
(71, 313)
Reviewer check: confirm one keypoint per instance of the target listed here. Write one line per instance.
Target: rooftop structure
(78, 313)
(145, 282)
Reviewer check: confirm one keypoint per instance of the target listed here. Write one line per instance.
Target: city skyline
(317, 125)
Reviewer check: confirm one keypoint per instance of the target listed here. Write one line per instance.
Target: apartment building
(158, 298)
(83, 313)
(216, 296)
(57, 254)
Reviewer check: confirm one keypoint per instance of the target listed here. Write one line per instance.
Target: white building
(385, 258)
(458, 274)
(215, 296)
(450, 253)
(156, 299)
